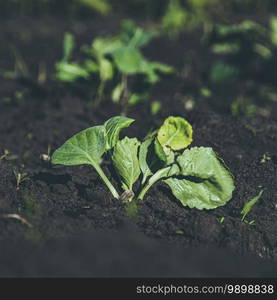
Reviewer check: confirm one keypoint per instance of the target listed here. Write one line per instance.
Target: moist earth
(74, 226)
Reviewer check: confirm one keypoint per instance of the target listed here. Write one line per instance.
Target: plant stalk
(153, 179)
(106, 181)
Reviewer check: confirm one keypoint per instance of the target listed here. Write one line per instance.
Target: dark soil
(78, 229)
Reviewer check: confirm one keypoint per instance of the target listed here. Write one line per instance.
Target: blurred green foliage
(114, 59)
(245, 54)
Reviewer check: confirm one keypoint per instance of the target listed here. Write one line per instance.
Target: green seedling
(46, 156)
(20, 177)
(8, 155)
(5, 155)
(249, 205)
(197, 177)
(265, 158)
(113, 59)
(221, 220)
(251, 223)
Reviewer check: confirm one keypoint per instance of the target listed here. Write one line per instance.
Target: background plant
(114, 58)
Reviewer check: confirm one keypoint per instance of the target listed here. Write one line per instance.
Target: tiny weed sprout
(20, 177)
(197, 177)
(249, 205)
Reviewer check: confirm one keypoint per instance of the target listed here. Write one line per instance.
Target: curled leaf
(204, 182)
(175, 133)
(113, 127)
(126, 163)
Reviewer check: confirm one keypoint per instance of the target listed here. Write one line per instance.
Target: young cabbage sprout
(196, 176)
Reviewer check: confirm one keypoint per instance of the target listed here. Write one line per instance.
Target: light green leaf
(104, 46)
(175, 133)
(106, 69)
(85, 147)
(136, 98)
(134, 36)
(117, 92)
(91, 66)
(207, 183)
(101, 6)
(248, 205)
(126, 163)
(128, 60)
(273, 27)
(113, 127)
(68, 46)
(70, 71)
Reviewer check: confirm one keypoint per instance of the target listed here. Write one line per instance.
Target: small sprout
(265, 158)
(20, 177)
(8, 155)
(251, 223)
(29, 136)
(46, 157)
(221, 220)
(205, 92)
(155, 107)
(189, 103)
(180, 232)
(196, 176)
(249, 205)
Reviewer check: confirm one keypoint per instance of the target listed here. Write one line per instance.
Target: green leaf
(70, 71)
(117, 92)
(128, 60)
(68, 46)
(151, 156)
(126, 163)
(101, 6)
(134, 36)
(103, 46)
(106, 69)
(113, 127)
(85, 147)
(222, 71)
(175, 133)
(207, 183)
(273, 28)
(136, 98)
(249, 205)
(91, 66)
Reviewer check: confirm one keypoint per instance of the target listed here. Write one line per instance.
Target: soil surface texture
(62, 221)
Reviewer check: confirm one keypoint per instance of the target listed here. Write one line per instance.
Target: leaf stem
(106, 181)
(153, 179)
